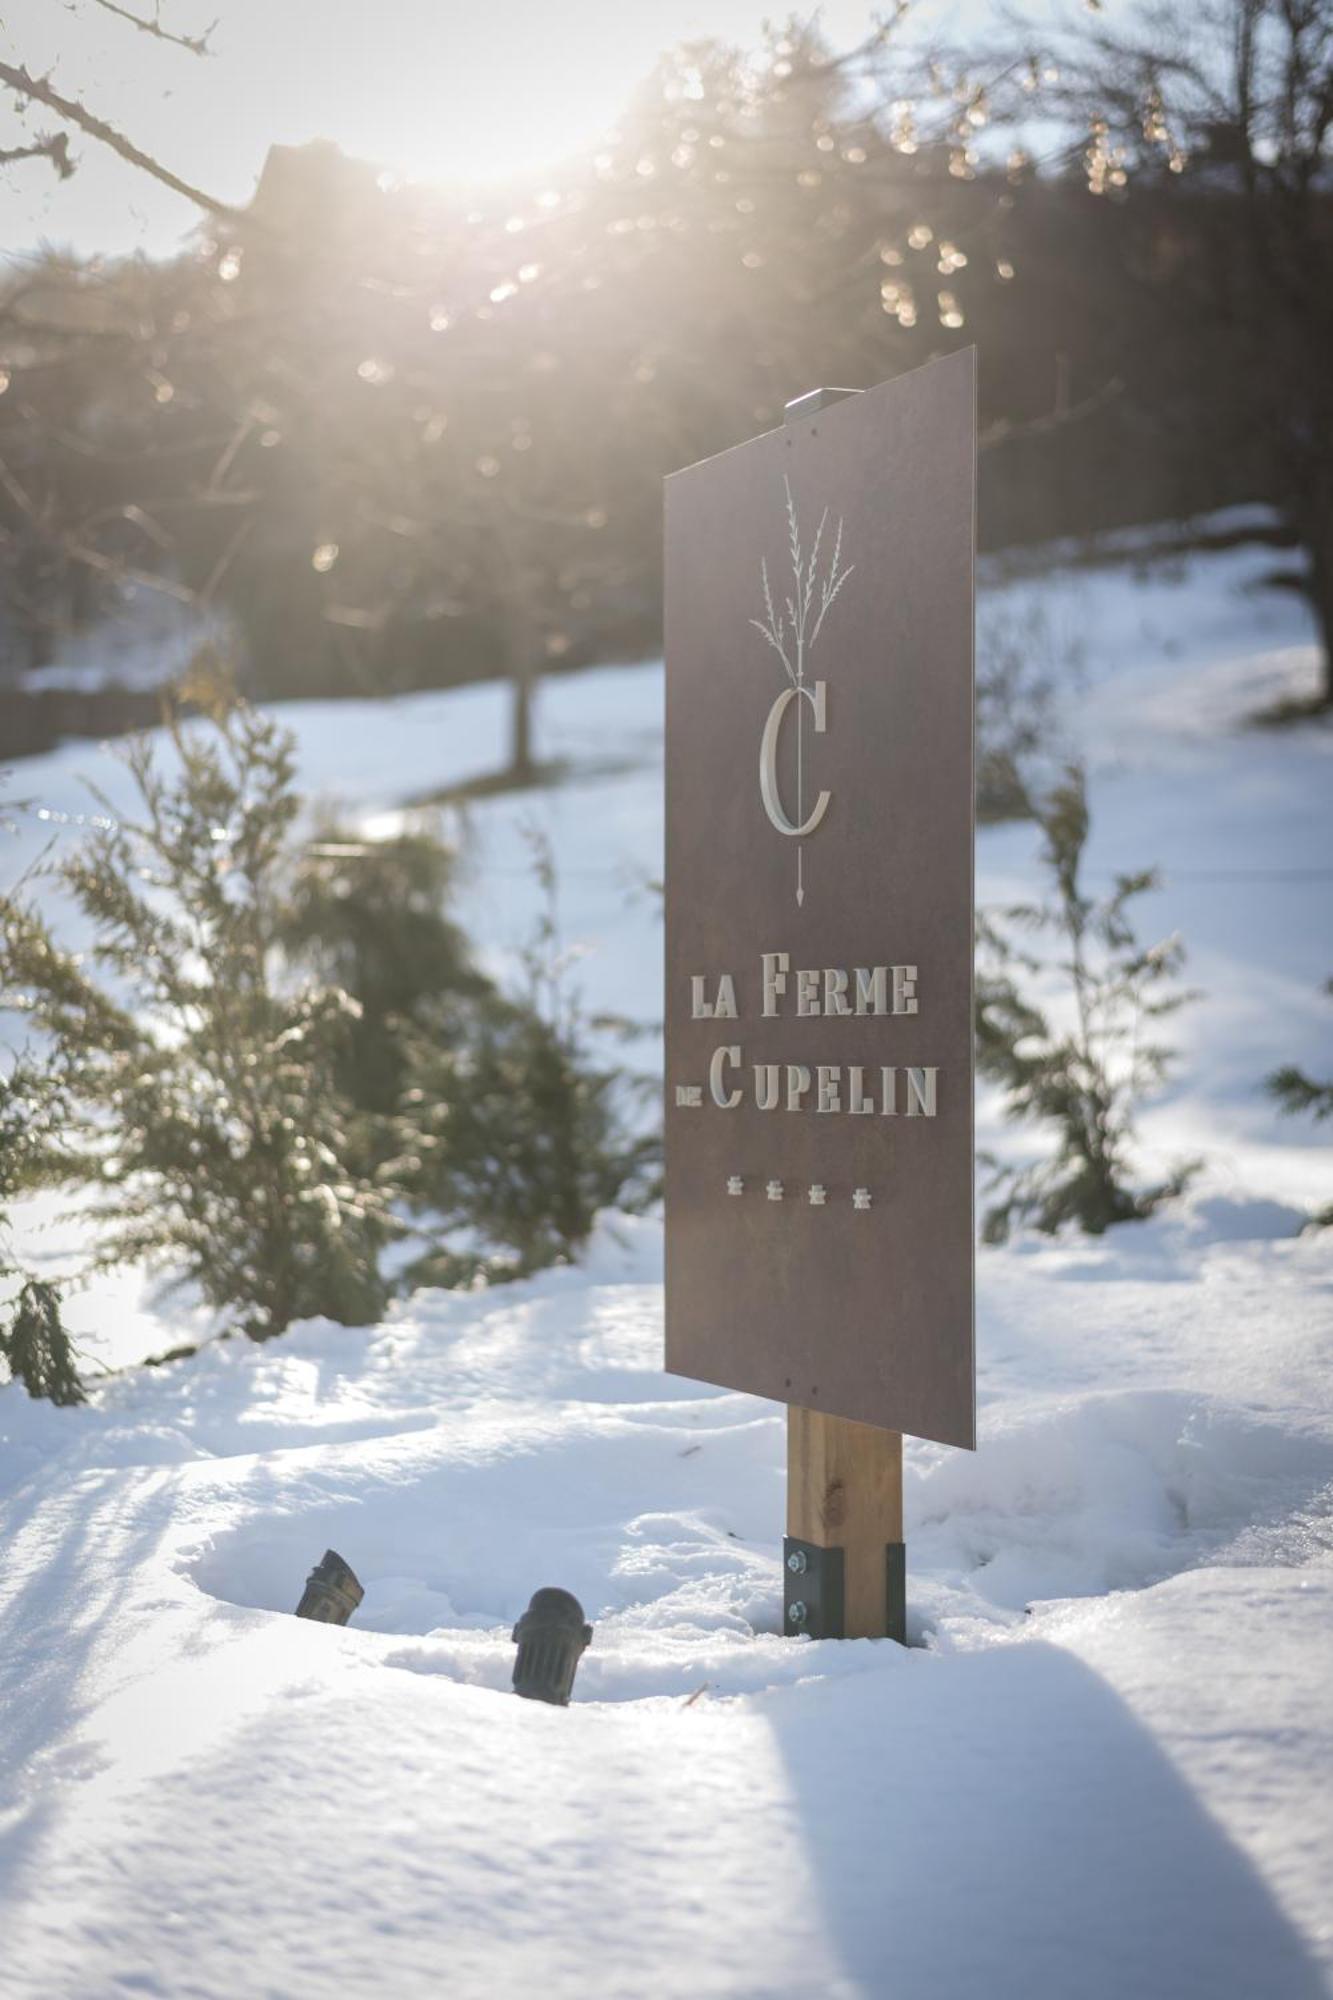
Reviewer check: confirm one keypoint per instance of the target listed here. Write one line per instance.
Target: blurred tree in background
(371, 918)
(1207, 135)
(513, 1135)
(406, 435)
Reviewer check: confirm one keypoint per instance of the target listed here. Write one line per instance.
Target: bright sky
(434, 88)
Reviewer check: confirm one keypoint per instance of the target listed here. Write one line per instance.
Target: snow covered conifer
(1084, 1080)
(202, 1093)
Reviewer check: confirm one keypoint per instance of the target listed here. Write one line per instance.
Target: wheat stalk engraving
(793, 631)
(796, 628)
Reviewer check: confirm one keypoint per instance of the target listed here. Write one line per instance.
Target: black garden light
(331, 1593)
(551, 1637)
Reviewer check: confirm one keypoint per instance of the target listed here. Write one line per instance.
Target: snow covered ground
(1106, 1765)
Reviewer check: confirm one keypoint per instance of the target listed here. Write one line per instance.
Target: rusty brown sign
(819, 622)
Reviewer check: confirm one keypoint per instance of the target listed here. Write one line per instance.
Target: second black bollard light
(332, 1592)
(551, 1637)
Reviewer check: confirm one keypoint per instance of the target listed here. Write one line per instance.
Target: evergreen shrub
(201, 1092)
(1083, 1078)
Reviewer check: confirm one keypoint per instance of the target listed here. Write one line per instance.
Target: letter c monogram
(768, 758)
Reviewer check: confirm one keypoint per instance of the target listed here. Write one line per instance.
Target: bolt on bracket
(811, 1589)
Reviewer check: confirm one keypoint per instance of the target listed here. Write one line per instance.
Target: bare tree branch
(196, 44)
(52, 146)
(41, 90)
(1004, 431)
(93, 558)
(234, 544)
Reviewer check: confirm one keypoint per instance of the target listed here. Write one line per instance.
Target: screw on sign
(819, 927)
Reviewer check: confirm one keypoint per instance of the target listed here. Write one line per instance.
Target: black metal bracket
(811, 1589)
(895, 1591)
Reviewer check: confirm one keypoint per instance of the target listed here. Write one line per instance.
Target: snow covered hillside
(1105, 1765)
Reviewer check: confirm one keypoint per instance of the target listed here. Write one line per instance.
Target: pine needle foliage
(1298, 1094)
(37, 1347)
(34, 1343)
(369, 916)
(1021, 661)
(515, 1136)
(1085, 1081)
(1301, 1095)
(202, 1094)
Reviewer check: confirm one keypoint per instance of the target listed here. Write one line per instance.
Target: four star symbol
(817, 1193)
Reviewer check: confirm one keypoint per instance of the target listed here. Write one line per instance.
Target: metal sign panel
(819, 618)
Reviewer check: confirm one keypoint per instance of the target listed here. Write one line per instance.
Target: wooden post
(845, 1490)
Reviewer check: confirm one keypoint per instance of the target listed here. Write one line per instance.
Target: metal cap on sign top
(813, 401)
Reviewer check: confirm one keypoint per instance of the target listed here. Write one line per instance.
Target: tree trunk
(522, 681)
(1319, 545)
(519, 641)
(40, 641)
